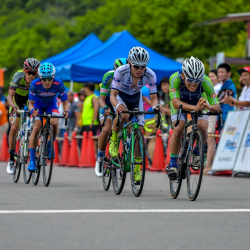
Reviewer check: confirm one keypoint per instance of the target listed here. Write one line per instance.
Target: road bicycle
(44, 157)
(131, 154)
(185, 167)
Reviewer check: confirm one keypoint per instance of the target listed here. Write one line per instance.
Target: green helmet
(119, 62)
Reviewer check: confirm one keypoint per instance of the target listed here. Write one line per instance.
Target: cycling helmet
(193, 68)
(119, 62)
(138, 56)
(31, 64)
(46, 69)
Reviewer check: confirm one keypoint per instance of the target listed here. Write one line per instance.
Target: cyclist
(42, 97)
(191, 88)
(18, 99)
(126, 94)
(106, 107)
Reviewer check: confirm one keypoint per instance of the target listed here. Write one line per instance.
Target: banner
(230, 140)
(243, 160)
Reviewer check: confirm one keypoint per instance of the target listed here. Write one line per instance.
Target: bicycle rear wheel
(18, 166)
(47, 157)
(139, 157)
(118, 173)
(194, 177)
(175, 185)
(106, 179)
(26, 158)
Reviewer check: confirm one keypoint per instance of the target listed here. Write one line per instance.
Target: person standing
(228, 88)
(212, 123)
(74, 118)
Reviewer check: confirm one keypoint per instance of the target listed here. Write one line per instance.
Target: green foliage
(40, 29)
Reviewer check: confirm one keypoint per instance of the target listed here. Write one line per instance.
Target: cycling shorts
(51, 109)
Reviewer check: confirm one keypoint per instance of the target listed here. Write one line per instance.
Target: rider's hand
(34, 112)
(66, 114)
(197, 107)
(107, 112)
(228, 100)
(120, 108)
(157, 107)
(14, 109)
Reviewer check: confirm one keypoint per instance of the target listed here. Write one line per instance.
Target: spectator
(212, 123)
(81, 96)
(90, 110)
(74, 114)
(61, 125)
(244, 99)
(3, 120)
(228, 88)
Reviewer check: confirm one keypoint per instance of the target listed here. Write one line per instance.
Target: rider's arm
(102, 102)
(10, 98)
(113, 97)
(208, 88)
(154, 99)
(65, 105)
(31, 105)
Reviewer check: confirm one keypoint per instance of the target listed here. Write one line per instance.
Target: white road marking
(125, 211)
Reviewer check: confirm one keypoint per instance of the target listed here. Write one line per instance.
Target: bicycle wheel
(36, 174)
(106, 179)
(139, 157)
(118, 174)
(175, 185)
(18, 166)
(26, 157)
(194, 177)
(47, 159)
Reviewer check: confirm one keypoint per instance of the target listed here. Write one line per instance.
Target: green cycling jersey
(178, 89)
(106, 83)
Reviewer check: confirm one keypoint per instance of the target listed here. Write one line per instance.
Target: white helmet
(138, 56)
(193, 68)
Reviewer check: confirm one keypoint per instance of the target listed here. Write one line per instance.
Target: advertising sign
(230, 140)
(243, 160)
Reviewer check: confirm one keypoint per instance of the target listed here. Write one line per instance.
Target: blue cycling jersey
(46, 97)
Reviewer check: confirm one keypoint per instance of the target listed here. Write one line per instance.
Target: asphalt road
(164, 224)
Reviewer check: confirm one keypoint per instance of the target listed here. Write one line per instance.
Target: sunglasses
(31, 73)
(46, 78)
(138, 67)
(195, 81)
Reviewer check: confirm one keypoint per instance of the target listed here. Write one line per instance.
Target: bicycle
(185, 160)
(42, 158)
(126, 162)
(22, 156)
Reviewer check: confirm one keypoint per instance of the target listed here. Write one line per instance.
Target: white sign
(220, 58)
(243, 160)
(230, 140)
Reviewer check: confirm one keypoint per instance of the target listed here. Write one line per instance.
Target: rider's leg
(33, 139)
(54, 123)
(203, 127)
(12, 137)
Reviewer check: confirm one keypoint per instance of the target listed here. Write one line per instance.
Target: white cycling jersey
(122, 81)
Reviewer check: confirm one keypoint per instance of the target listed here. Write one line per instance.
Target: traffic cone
(17, 145)
(65, 150)
(107, 150)
(56, 159)
(158, 163)
(73, 153)
(83, 157)
(4, 149)
(91, 151)
(168, 149)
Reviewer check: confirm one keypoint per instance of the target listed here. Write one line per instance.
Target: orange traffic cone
(83, 157)
(91, 151)
(17, 145)
(65, 150)
(107, 149)
(168, 149)
(73, 153)
(4, 149)
(158, 163)
(56, 159)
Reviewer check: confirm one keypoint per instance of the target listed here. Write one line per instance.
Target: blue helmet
(46, 69)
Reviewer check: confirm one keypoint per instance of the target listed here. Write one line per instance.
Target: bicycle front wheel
(48, 151)
(118, 174)
(18, 166)
(36, 174)
(138, 163)
(26, 158)
(194, 169)
(106, 179)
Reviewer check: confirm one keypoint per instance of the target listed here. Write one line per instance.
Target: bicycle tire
(47, 171)
(118, 185)
(106, 179)
(192, 194)
(36, 174)
(18, 166)
(26, 173)
(137, 187)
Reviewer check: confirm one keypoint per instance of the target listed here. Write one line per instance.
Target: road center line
(124, 211)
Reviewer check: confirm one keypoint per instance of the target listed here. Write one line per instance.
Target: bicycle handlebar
(53, 116)
(137, 112)
(199, 113)
(21, 112)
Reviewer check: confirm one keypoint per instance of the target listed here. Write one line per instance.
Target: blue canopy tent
(100, 60)
(64, 60)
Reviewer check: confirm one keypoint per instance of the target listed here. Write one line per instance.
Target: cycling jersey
(21, 87)
(179, 90)
(123, 82)
(43, 97)
(106, 83)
